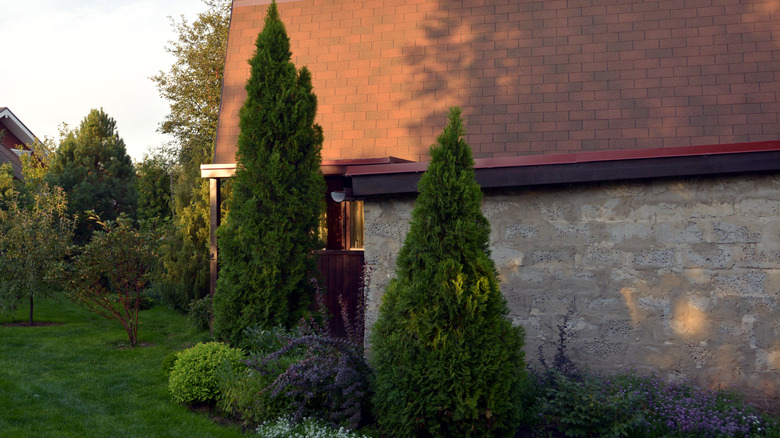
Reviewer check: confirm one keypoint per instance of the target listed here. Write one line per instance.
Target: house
(628, 151)
(14, 138)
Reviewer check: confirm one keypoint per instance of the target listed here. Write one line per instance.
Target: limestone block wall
(675, 276)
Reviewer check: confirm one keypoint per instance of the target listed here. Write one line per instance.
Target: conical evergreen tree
(447, 360)
(93, 167)
(267, 241)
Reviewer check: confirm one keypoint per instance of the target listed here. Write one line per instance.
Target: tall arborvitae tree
(93, 167)
(268, 239)
(448, 362)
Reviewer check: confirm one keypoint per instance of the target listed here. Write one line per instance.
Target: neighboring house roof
(533, 78)
(14, 138)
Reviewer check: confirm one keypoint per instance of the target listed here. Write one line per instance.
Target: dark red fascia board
(520, 171)
(339, 167)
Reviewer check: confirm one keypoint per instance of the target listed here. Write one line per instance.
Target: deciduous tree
(34, 239)
(193, 87)
(448, 362)
(111, 271)
(268, 239)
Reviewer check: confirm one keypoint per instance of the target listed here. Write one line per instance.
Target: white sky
(61, 58)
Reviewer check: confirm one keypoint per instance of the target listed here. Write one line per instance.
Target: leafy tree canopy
(193, 87)
(34, 240)
(194, 83)
(93, 168)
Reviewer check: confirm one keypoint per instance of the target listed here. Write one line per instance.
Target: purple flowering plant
(329, 378)
(576, 402)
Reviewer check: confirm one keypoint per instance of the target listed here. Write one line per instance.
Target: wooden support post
(215, 204)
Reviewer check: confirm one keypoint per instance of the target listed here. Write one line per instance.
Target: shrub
(194, 376)
(243, 392)
(328, 377)
(168, 362)
(447, 360)
(587, 405)
(110, 274)
(200, 313)
(579, 403)
(680, 409)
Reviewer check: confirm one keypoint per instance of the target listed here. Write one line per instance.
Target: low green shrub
(243, 394)
(565, 398)
(199, 313)
(145, 302)
(167, 364)
(586, 405)
(194, 376)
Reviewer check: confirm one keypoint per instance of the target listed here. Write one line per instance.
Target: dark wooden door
(343, 276)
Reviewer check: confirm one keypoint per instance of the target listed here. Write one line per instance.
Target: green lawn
(79, 378)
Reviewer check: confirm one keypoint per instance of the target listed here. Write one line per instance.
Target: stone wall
(676, 276)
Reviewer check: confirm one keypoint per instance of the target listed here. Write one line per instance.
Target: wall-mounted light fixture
(341, 196)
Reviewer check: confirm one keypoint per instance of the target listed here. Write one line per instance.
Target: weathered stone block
(656, 258)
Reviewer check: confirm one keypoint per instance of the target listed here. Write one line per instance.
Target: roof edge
(580, 168)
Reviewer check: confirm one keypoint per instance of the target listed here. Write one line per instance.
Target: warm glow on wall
(689, 321)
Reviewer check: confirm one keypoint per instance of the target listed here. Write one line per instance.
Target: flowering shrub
(683, 410)
(586, 404)
(578, 403)
(282, 427)
(329, 377)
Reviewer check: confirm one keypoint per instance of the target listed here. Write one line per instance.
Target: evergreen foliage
(269, 236)
(193, 86)
(93, 168)
(447, 360)
(153, 184)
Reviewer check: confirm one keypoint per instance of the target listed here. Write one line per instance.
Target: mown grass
(79, 378)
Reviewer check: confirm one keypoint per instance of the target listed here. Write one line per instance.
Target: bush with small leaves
(199, 313)
(168, 362)
(194, 376)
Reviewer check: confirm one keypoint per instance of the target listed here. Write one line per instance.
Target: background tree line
(85, 183)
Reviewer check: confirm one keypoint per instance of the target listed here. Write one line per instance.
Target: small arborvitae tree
(268, 239)
(447, 360)
(93, 167)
